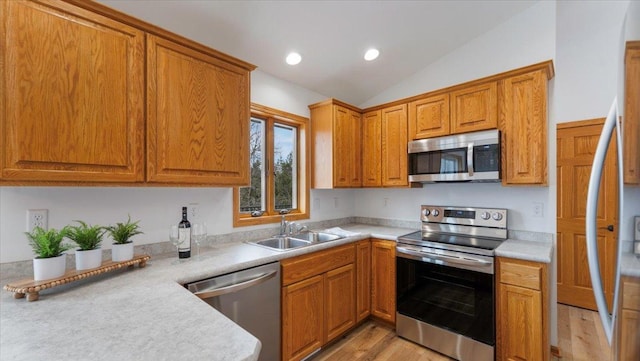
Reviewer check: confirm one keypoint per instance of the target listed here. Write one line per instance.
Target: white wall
(404, 204)
(525, 39)
(587, 58)
(157, 208)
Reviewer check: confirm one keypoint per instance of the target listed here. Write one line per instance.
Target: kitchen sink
(302, 239)
(315, 237)
(281, 243)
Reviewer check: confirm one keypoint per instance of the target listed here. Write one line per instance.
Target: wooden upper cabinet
(198, 116)
(372, 149)
(631, 120)
(523, 122)
(474, 108)
(429, 117)
(394, 146)
(336, 142)
(72, 95)
(346, 148)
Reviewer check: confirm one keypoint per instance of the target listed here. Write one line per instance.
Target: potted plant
(88, 239)
(50, 261)
(122, 248)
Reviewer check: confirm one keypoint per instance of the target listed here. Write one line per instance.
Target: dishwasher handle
(218, 291)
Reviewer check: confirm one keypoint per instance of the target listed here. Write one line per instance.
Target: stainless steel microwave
(467, 157)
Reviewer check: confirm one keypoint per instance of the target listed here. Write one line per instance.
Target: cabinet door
(394, 146)
(372, 149)
(363, 280)
(520, 317)
(346, 148)
(302, 318)
(523, 111)
(522, 311)
(628, 327)
(474, 108)
(429, 117)
(198, 117)
(632, 114)
(383, 280)
(72, 93)
(340, 301)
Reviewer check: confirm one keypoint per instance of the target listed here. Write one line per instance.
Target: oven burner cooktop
(473, 245)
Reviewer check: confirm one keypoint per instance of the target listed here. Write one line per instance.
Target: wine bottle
(184, 229)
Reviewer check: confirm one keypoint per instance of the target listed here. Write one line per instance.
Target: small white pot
(88, 259)
(49, 268)
(122, 252)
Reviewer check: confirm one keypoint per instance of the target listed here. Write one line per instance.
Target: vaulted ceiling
(331, 36)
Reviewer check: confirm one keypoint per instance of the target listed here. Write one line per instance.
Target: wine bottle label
(184, 250)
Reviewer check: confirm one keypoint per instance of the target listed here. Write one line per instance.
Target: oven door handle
(441, 258)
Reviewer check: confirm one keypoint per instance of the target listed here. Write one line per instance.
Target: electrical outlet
(538, 209)
(37, 218)
(386, 202)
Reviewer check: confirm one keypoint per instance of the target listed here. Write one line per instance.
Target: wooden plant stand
(31, 288)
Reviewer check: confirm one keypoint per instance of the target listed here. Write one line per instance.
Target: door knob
(608, 228)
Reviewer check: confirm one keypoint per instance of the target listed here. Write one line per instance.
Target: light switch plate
(637, 228)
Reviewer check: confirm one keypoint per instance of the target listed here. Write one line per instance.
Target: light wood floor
(580, 336)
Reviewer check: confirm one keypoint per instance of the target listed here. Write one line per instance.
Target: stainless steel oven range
(445, 281)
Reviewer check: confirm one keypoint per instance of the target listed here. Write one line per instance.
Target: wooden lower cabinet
(383, 280)
(302, 318)
(522, 317)
(339, 297)
(363, 280)
(628, 328)
(318, 299)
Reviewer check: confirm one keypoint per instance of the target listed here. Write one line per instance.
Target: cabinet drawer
(520, 273)
(308, 265)
(630, 294)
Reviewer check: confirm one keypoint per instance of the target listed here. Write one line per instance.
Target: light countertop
(146, 314)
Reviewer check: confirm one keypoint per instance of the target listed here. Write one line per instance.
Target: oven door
(437, 293)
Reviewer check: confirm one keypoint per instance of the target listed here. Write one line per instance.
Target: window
(278, 161)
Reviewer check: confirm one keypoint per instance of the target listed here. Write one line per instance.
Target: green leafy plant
(85, 236)
(47, 244)
(122, 232)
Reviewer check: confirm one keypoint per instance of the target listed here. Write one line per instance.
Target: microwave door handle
(470, 159)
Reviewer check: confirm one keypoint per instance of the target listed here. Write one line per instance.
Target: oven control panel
(470, 216)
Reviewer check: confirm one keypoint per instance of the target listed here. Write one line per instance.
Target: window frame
(271, 116)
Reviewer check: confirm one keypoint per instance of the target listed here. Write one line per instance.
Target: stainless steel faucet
(283, 226)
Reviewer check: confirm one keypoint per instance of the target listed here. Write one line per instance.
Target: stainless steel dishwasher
(250, 298)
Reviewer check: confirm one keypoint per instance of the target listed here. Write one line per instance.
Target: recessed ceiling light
(371, 54)
(293, 58)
